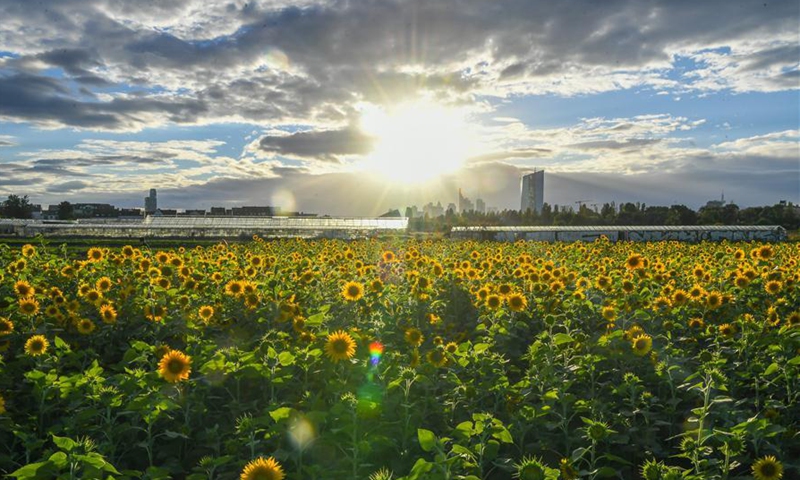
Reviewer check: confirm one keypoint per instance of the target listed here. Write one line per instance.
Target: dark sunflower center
(175, 366)
(768, 469)
(641, 344)
(353, 290)
(340, 346)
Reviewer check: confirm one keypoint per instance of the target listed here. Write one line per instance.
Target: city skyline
(358, 107)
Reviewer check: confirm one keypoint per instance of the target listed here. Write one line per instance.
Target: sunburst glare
(416, 142)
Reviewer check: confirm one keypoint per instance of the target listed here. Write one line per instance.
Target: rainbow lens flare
(375, 353)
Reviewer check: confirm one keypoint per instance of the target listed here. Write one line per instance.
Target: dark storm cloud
(326, 145)
(43, 99)
(67, 186)
(214, 59)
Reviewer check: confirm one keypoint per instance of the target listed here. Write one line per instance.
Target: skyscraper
(151, 203)
(532, 195)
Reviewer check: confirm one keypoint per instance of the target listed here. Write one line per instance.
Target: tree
(65, 211)
(17, 207)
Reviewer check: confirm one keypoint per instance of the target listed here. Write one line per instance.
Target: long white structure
(648, 233)
(211, 227)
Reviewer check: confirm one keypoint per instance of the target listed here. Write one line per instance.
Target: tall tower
(532, 195)
(151, 202)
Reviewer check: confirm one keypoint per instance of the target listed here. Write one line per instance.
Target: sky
(353, 107)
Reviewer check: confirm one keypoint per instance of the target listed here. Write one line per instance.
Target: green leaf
(60, 344)
(59, 459)
(795, 361)
(771, 369)
(502, 434)
(427, 440)
(286, 359)
(480, 347)
(280, 413)
(64, 443)
(32, 470)
(562, 338)
(316, 319)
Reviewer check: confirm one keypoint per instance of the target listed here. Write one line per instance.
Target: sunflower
(340, 346)
(437, 357)
(103, 284)
(108, 314)
(773, 286)
(85, 326)
(24, 289)
(28, 250)
(530, 468)
(28, 306)
(679, 297)
(696, 323)
(634, 262)
(414, 337)
(234, 288)
(6, 326)
(388, 256)
(251, 300)
(94, 296)
(206, 312)
(493, 301)
(2, 405)
(713, 300)
(451, 347)
(765, 252)
(609, 313)
(262, 469)
(352, 291)
(95, 254)
(36, 345)
(768, 468)
(517, 302)
(792, 320)
(727, 330)
(642, 344)
(175, 366)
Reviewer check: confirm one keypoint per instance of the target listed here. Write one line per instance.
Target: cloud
(68, 187)
(325, 145)
(307, 62)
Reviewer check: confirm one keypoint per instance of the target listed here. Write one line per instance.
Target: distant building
(195, 213)
(92, 210)
(254, 211)
(480, 205)
(151, 203)
(464, 203)
(451, 208)
(716, 203)
(433, 211)
(219, 211)
(532, 195)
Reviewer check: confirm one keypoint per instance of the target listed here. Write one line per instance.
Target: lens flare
(375, 353)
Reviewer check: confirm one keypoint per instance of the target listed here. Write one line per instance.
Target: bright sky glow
(416, 142)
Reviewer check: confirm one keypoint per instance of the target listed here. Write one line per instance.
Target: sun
(416, 142)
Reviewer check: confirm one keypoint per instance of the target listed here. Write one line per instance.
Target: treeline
(782, 214)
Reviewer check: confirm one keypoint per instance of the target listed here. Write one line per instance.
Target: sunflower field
(401, 359)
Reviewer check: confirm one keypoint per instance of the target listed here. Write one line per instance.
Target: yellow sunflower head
(175, 366)
(28, 306)
(24, 289)
(206, 312)
(768, 468)
(85, 326)
(262, 469)
(6, 326)
(413, 337)
(340, 346)
(352, 291)
(36, 345)
(493, 301)
(642, 344)
(108, 314)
